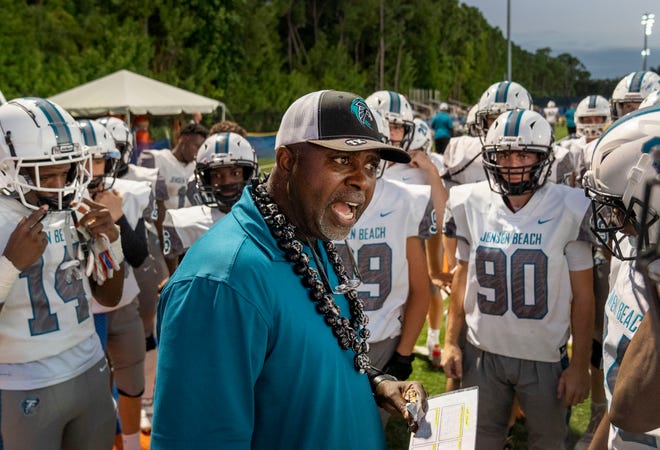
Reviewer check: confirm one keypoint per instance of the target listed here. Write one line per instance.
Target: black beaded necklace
(351, 333)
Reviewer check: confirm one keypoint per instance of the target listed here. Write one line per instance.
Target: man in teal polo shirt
(262, 337)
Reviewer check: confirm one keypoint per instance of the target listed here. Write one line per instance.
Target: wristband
(375, 381)
(8, 275)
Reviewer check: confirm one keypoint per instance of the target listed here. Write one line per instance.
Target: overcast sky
(605, 35)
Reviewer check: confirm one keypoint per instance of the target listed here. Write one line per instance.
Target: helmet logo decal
(362, 112)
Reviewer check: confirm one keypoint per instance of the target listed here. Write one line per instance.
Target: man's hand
(452, 361)
(574, 385)
(28, 240)
(99, 220)
(111, 200)
(390, 396)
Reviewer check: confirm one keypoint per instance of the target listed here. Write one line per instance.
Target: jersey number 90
(491, 272)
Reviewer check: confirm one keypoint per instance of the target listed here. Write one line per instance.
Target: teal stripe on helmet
(502, 91)
(225, 147)
(513, 122)
(592, 101)
(56, 121)
(395, 102)
(636, 82)
(88, 134)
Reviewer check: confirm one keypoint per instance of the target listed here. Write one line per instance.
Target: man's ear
(285, 158)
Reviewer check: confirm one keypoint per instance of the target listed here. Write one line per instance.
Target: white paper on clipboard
(450, 423)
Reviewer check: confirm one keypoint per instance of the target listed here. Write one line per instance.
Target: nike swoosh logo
(105, 366)
(541, 222)
(383, 214)
(405, 178)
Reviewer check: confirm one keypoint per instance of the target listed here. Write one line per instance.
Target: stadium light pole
(648, 19)
(508, 40)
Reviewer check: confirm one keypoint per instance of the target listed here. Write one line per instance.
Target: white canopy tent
(125, 92)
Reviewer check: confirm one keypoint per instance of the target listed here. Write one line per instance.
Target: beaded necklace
(351, 333)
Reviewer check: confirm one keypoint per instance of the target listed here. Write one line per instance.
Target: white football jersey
(150, 175)
(173, 176)
(463, 163)
(624, 310)
(182, 227)
(518, 294)
(136, 198)
(378, 240)
(47, 310)
(587, 155)
(408, 174)
(563, 167)
(551, 114)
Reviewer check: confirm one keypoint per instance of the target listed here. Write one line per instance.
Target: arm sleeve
(579, 255)
(133, 242)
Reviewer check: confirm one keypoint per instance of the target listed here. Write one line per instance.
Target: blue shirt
(442, 125)
(570, 117)
(244, 359)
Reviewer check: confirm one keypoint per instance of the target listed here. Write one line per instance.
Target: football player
(174, 169)
(621, 166)
(592, 117)
(127, 201)
(631, 91)
(425, 169)
(522, 285)
(55, 378)
(151, 275)
(226, 163)
(400, 129)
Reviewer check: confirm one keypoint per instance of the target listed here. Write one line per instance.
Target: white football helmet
(471, 121)
(592, 106)
(622, 163)
(501, 97)
(396, 109)
(3, 100)
(652, 99)
(123, 137)
(422, 137)
(101, 145)
(37, 133)
(551, 104)
(224, 150)
(633, 89)
(522, 131)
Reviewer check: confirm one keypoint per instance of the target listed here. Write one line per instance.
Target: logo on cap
(362, 113)
(355, 142)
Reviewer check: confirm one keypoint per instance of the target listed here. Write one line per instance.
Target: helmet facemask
(612, 222)
(27, 183)
(105, 181)
(222, 196)
(531, 177)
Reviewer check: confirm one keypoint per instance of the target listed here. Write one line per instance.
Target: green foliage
(257, 56)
